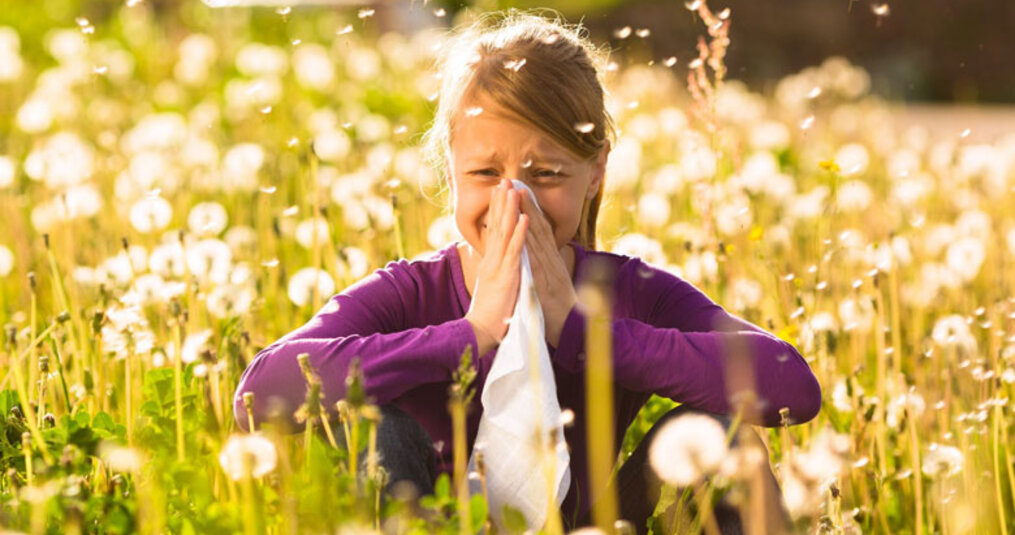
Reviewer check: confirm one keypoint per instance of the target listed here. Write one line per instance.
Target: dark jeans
(406, 452)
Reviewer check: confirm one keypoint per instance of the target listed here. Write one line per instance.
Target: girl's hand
(498, 276)
(556, 293)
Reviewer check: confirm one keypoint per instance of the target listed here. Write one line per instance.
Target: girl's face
(493, 145)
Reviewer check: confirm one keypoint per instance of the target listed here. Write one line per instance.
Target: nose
(520, 186)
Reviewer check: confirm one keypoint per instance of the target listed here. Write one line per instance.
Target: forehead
(484, 130)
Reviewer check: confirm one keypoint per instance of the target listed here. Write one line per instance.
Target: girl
(522, 99)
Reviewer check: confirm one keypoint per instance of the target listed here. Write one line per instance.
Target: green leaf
(477, 512)
(442, 488)
(514, 520)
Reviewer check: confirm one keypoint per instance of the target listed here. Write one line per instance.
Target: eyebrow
(536, 158)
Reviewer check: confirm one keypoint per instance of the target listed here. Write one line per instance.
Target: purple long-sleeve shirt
(406, 323)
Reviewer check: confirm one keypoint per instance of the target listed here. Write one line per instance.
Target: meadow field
(180, 186)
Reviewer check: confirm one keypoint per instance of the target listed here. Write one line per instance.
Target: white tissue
(520, 411)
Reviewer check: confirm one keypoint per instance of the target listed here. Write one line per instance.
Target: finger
(514, 249)
(493, 219)
(509, 213)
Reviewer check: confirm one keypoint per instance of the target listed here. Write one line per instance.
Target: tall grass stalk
(76, 331)
(178, 388)
(595, 298)
(456, 407)
(546, 438)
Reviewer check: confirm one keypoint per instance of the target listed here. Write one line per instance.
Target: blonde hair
(540, 69)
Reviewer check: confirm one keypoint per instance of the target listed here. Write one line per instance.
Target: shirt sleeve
(692, 351)
(365, 320)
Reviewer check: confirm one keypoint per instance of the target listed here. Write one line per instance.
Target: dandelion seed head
(6, 261)
(149, 214)
(303, 283)
(942, 461)
(120, 458)
(207, 219)
(311, 231)
(250, 455)
(687, 448)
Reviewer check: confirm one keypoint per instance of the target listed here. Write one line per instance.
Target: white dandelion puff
(207, 219)
(311, 231)
(150, 213)
(688, 448)
(250, 455)
(942, 461)
(303, 282)
(6, 261)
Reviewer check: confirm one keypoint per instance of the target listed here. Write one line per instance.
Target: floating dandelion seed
(284, 10)
(695, 64)
(296, 42)
(527, 163)
(266, 110)
(670, 61)
(881, 10)
(400, 129)
(248, 455)
(268, 190)
(365, 12)
(291, 211)
(344, 30)
(815, 92)
(473, 111)
(643, 32)
(584, 128)
(622, 33)
(965, 133)
(693, 5)
(550, 39)
(440, 12)
(270, 263)
(101, 69)
(807, 122)
(514, 64)
(132, 3)
(724, 14)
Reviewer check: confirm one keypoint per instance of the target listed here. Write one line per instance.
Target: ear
(598, 171)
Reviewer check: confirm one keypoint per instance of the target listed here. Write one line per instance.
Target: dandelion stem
(457, 408)
(599, 392)
(917, 477)
(178, 391)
